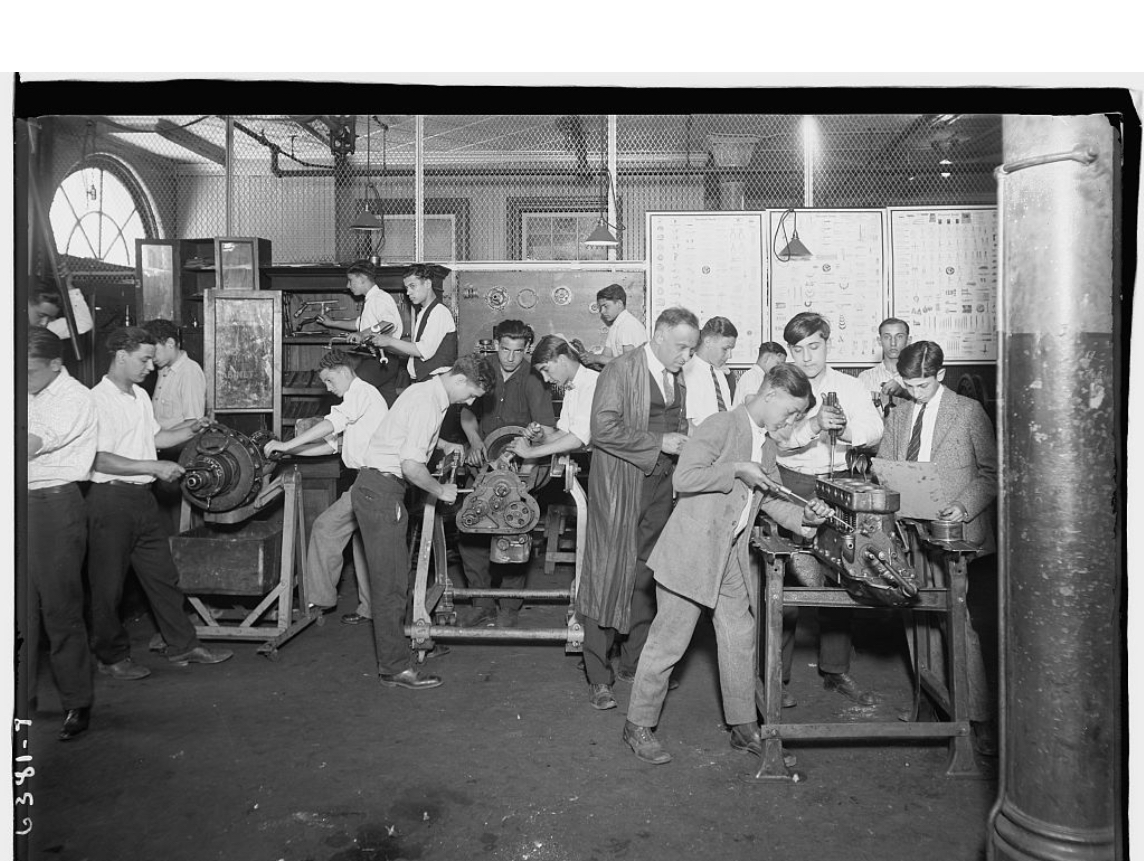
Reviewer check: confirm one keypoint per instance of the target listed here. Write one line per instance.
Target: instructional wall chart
(713, 264)
(934, 267)
(845, 279)
(945, 278)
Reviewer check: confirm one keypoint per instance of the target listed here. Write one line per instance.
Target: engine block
(869, 561)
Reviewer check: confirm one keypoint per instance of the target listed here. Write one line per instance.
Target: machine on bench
(231, 543)
(878, 560)
(499, 504)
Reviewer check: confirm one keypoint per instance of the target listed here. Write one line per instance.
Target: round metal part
(223, 469)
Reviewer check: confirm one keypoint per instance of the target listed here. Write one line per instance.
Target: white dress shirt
(809, 453)
(748, 385)
(758, 440)
(873, 378)
(929, 422)
(180, 392)
(356, 419)
(410, 429)
(625, 331)
(576, 411)
(379, 307)
(127, 427)
(701, 400)
(440, 324)
(655, 368)
(63, 416)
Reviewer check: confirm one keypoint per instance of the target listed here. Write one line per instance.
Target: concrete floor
(309, 758)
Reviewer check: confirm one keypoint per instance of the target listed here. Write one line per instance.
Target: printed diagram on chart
(712, 266)
(842, 281)
(945, 279)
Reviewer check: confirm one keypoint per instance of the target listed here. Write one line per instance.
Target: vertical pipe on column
(229, 176)
(614, 182)
(1061, 583)
(419, 188)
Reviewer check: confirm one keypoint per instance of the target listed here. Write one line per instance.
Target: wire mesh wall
(495, 186)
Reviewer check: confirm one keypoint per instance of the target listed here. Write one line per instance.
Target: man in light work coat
(702, 558)
(639, 423)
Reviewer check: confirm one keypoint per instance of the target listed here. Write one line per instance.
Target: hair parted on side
(718, 327)
(922, 359)
(772, 348)
(805, 324)
(127, 338)
(551, 346)
(612, 293)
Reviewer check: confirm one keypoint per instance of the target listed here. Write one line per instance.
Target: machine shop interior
(981, 708)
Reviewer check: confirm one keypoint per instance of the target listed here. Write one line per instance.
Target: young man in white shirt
(354, 420)
(180, 387)
(710, 388)
(123, 517)
(379, 310)
(61, 447)
(558, 362)
(771, 353)
(625, 332)
(397, 456)
(804, 455)
(883, 378)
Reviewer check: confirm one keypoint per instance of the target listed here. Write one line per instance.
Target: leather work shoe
(478, 617)
(201, 655)
(789, 702)
(746, 737)
(126, 670)
(629, 677)
(843, 683)
(600, 696)
(75, 722)
(644, 744)
(410, 679)
(354, 619)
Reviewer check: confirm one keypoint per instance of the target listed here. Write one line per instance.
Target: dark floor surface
(309, 758)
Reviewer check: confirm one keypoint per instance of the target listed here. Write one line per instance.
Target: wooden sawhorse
(936, 629)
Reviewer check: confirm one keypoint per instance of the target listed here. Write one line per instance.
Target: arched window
(98, 212)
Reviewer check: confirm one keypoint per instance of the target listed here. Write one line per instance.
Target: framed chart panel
(713, 264)
(243, 352)
(845, 279)
(944, 278)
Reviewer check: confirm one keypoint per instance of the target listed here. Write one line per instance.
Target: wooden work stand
(433, 611)
(277, 617)
(935, 629)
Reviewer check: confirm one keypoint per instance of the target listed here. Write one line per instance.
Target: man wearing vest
(638, 428)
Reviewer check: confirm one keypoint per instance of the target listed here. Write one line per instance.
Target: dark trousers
(379, 506)
(124, 529)
(656, 496)
(481, 573)
(57, 538)
(833, 623)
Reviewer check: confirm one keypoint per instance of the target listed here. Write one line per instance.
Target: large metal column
(1062, 580)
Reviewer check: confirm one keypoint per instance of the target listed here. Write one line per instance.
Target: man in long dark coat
(639, 424)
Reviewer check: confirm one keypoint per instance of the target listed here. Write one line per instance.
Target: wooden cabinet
(306, 292)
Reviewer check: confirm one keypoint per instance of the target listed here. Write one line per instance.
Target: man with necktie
(638, 428)
(710, 385)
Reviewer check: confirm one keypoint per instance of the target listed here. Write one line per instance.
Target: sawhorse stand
(278, 605)
(937, 623)
(434, 603)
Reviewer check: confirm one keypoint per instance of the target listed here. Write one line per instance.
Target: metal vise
(869, 561)
(225, 470)
(499, 503)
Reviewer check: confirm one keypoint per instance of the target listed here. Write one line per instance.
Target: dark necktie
(718, 392)
(915, 445)
(668, 388)
(731, 385)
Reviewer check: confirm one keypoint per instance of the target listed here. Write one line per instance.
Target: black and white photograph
(631, 470)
